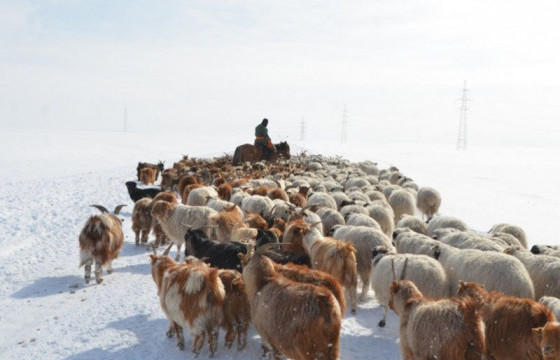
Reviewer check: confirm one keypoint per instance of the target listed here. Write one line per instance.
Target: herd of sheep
(283, 246)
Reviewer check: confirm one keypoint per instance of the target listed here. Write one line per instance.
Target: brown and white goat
(436, 329)
(549, 340)
(256, 221)
(293, 236)
(224, 191)
(300, 321)
(335, 257)
(277, 193)
(225, 221)
(299, 199)
(192, 297)
(101, 240)
(237, 312)
(170, 197)
(509, 322)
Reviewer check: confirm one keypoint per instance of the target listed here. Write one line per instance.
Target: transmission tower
(302, 135)
(344, 123)
(462, 136)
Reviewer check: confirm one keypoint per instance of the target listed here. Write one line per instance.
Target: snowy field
(49, 180)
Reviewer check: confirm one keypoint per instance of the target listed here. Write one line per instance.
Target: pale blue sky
(398, 65)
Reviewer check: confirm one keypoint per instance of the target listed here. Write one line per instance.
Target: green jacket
(262, 131)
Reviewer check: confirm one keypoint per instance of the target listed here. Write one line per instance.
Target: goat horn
(166, 252)
(118, 209)
(101, 208)
(404, 269)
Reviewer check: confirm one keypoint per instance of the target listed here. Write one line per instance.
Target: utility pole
(462, 136)
(344, 123)
(302, 135)
(125, 119)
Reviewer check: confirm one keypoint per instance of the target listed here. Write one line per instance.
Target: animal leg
(87, 274)
(382, 321)
(137, 237)
(353, 295)
(110, 267)
(241, 337)
(144, 236)
(180, 338)
(171, 331)
(365, 287)
(178, 252)
(98, 271)
(198, 342)
(230, 336)
(213, 340)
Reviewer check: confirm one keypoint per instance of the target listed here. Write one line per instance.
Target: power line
(462, 135)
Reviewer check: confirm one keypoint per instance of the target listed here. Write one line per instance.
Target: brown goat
(147, 176)
(101, 240)
(299, 199)
(224, 191)
(225, 221)
(237, 312)
(303, 274)
(156, 167)
(186, 181)
(436, 329)
(509, 322)
(276, 311)
(169, 178)
(256, 221)
(261, 190)
(142, 220)
(293, 236)
(191, 296)
(277, 193)
(549, 336)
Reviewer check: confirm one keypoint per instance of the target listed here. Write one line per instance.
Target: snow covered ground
(48, 181)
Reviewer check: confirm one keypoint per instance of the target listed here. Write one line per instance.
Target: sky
(216, 68)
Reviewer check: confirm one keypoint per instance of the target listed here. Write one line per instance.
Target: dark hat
(265, 121)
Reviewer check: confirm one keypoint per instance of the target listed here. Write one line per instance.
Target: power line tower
(462, 136)
(125, 119)
(302, 135)
(344, 124)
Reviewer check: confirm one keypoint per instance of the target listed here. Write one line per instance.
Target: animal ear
(153, 258)
(538, 331)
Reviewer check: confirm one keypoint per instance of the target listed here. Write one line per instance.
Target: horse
(252, 153)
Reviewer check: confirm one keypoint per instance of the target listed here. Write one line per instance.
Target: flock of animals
(282, 245)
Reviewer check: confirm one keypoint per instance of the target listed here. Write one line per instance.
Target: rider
(262, 140)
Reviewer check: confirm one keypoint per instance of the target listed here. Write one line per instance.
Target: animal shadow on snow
(50, 285)
(141, 269)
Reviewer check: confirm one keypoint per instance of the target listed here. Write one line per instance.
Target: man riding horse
(262, 140)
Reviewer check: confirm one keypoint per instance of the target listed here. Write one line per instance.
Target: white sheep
(382, 212)
(364, 239)
(353, 209)
(440, 222)
(375, 195)
(362, 220)
(329, 218)
(410, 242)
(176, 219)
(257, 204)
(201, 196)
(358, 182)
(237, 196)
(552, 303)
(550, 250)
(428, 202)
(402, 202)
(495, 271)
(469, 240)
(543, 269)
(413, 223)
(514, 230)
(322, 199)
(426, 272)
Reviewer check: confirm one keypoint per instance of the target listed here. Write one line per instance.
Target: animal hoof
(353, 311)
(181, 346)
(87, 280)
(381, 323)
(99, 281)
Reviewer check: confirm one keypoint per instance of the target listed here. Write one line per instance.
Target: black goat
(136, 194)
(222, 255)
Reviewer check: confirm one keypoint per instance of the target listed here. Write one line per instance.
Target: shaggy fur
(142, 220)
(509, 322)
(428, 201)
(549, 336)
(436, 329)
(147, 176)
(335, 257)
(382, 212)
(514, 230)
(300, 321)
(225, 222)
(136, 194)
(402, 202)
(222, 255)
(237, 312)
(552, 303)
(413, 223)
(101, 240)
(192, 297)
